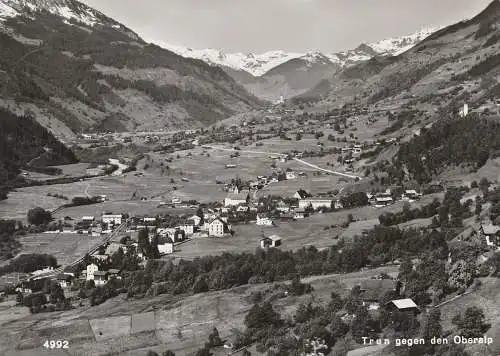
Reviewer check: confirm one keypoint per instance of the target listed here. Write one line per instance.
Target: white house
(165, 245)
(235, 199)
(217, 228)
(291, 175)
(187, 228)
(149, 220)
(88, 219)
(464, 111)
(315, 203)
(263, 220)
(115, 219)
(91, 270)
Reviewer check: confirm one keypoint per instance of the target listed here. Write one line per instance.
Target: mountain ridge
(76, 69)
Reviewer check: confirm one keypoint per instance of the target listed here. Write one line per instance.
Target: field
(487, 298)
(131, 327)
(65, 247)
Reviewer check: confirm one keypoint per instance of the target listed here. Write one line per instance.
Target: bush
(39, 216)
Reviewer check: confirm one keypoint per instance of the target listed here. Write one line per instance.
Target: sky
(256, 26)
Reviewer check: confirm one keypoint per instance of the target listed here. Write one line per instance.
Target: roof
(384, 199)
(490, 229)
(318, 200)
(100, 273)
(302, 193)
(62, 276)
(275, 237)
(114, 271)
(404, 303)
(373, 289)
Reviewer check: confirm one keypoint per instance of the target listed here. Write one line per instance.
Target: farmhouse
(371, 290)
(301, 194)
(315, 203)
(112, 219)
(100, 278)
(114, 273)
(491, 233)
(235, 199)
(383, 201)
(300, 214)
(411, 195)
(271, 241)
(263, 220)
(64, 280)
(403, 305)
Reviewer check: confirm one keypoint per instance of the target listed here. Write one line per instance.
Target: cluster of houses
(386, 198)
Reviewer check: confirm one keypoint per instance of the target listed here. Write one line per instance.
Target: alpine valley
(274, 74)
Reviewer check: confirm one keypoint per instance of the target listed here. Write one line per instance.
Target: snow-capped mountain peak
(66, 9)
(259, 64)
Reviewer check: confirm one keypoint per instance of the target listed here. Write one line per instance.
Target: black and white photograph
(250, 177)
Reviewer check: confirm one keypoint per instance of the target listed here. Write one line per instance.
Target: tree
(200, 285)
(56, 293)
(39, 216)
(472, 323)
(246, 353)
(298, 137)
(214, 339)
(168, 353)
(151, 353)
(259, 317)
(335, 304)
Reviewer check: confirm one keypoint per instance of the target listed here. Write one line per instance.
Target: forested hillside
(82, 74)
(21, 140)
(467, 142)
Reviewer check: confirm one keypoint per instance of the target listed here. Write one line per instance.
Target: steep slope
(457, 64)
(23, 143)
(292, 77)
(77, 69)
